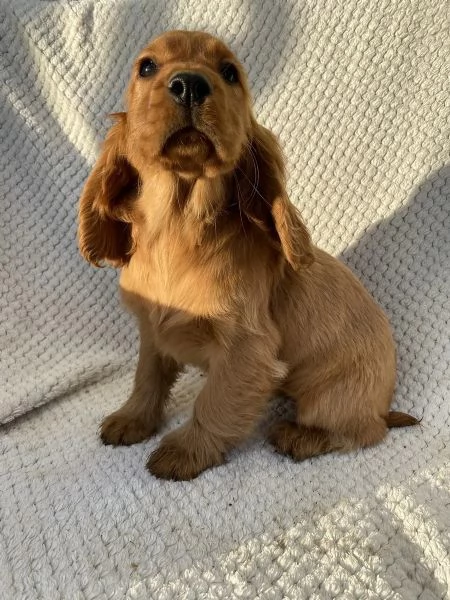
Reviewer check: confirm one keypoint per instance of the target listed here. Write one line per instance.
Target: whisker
(239, 202)
(256, 191)
(255, 183)
(255, 164)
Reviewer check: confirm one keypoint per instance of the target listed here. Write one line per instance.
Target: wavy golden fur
(188, 196)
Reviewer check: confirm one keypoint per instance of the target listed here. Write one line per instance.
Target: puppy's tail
(400, 419)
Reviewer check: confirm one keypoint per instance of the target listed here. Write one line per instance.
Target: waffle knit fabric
(358, 93)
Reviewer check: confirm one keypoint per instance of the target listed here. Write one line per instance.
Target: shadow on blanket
(402, 261)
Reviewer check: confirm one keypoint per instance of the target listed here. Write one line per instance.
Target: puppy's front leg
(141, 414)
(239, 385)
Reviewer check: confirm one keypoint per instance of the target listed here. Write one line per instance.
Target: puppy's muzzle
(189, 89)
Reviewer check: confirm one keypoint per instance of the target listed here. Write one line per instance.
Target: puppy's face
(189, 116)
(188, 105)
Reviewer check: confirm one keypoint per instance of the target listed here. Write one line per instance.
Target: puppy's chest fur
(186, 290)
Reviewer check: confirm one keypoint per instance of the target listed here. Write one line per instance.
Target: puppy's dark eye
(147, 67)
(229, 73)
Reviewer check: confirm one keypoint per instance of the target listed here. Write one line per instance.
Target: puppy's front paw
(179, 458)
(123, 429)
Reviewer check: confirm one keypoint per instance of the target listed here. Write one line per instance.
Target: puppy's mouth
(188, 144)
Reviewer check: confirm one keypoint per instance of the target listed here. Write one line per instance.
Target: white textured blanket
(358, 92)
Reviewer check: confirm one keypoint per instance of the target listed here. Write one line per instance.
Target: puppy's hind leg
(303, 442)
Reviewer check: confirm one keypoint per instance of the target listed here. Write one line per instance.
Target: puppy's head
(188, 114)
(188, 105)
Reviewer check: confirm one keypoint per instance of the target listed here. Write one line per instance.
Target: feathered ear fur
(265, 203)
(104, 231)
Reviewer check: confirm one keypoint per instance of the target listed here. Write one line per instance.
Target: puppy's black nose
(189, 89)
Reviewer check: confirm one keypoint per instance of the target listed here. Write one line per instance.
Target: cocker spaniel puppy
(188, 197)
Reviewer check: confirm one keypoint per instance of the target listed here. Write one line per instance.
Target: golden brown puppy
(188, 197)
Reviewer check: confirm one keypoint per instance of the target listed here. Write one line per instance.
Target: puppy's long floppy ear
(266, 202)
(104, 230)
